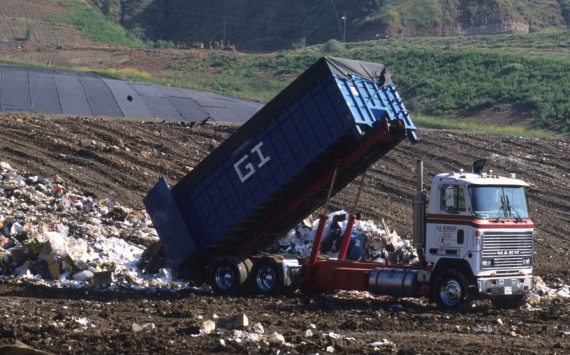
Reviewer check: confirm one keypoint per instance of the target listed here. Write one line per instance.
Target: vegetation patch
(92, 24)
(475, 126)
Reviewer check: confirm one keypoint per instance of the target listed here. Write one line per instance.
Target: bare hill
(29, 21)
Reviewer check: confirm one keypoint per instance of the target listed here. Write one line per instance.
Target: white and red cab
(479, 223)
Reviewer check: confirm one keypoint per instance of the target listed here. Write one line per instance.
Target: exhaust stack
(420, 212)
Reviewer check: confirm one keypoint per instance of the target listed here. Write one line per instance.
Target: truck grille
(507, 249)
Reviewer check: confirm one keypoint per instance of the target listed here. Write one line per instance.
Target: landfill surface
(73, 232)
(88, 94)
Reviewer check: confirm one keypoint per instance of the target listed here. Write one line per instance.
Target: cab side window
(452, 199)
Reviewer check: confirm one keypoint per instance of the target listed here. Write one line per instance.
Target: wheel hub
(450, 292)
(265, 278)
(225, 277)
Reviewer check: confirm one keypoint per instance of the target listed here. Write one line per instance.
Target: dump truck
(473, 237)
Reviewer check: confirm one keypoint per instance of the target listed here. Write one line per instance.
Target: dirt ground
(123, 158)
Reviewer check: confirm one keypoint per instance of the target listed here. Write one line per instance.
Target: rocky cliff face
(465, 18)
(483, 18)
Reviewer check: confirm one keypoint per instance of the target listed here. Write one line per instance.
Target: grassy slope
(442, 77)
(58, 22)
(92, 24)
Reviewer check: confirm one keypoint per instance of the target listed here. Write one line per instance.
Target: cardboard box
(53, 268)
(47, 257)
(102, 278)
(68, 263)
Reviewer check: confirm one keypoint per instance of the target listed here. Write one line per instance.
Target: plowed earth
(121, 159)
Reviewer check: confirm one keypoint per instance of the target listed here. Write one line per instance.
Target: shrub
(29, 32)
(333, 46)
(164, 44)
(302, 43)
(507, 69)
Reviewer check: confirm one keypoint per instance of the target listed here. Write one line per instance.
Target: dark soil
(121, 159)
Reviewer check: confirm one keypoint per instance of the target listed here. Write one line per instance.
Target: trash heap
(53, 234)
(542, 293)
(369, 241)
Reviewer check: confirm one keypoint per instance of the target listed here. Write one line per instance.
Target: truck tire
(267, 277)
(229, 274)
(509, 302)
(451, 291)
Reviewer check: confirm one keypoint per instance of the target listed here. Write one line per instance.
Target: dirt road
(121, 159)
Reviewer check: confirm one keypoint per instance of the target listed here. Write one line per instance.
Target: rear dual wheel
(229, 275)
(267, 277)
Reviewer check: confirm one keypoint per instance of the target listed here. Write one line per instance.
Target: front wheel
(509, 302)
(451, 291)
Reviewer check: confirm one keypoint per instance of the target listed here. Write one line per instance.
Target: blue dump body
(277, 168)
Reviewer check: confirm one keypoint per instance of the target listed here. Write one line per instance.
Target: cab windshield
(498, 201)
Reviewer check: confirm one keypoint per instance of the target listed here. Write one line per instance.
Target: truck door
(448, 230)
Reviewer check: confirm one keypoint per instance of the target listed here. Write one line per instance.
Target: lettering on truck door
(451, 202)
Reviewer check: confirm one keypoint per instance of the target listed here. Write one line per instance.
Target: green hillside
(92, 24)
(442, 77)
(271, 25)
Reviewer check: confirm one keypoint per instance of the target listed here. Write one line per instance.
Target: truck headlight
(487, 262)
(527, 261)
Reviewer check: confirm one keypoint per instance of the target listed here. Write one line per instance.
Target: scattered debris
(483, 329)
(236, 322)
(83, 321)
(369, 241)
(276, 338)
(384, 342)
(207, 327)
(258, 328)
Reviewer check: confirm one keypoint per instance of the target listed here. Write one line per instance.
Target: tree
(137, 31)
(128, 8)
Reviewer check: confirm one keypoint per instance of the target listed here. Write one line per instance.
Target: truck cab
(478, 225)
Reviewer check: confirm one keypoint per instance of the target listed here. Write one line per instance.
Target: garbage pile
(369, 241)
(53, 234)
(542, 293)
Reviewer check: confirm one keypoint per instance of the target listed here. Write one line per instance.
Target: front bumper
(505, 285)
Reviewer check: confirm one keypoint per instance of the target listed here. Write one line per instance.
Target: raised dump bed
(277, 168)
